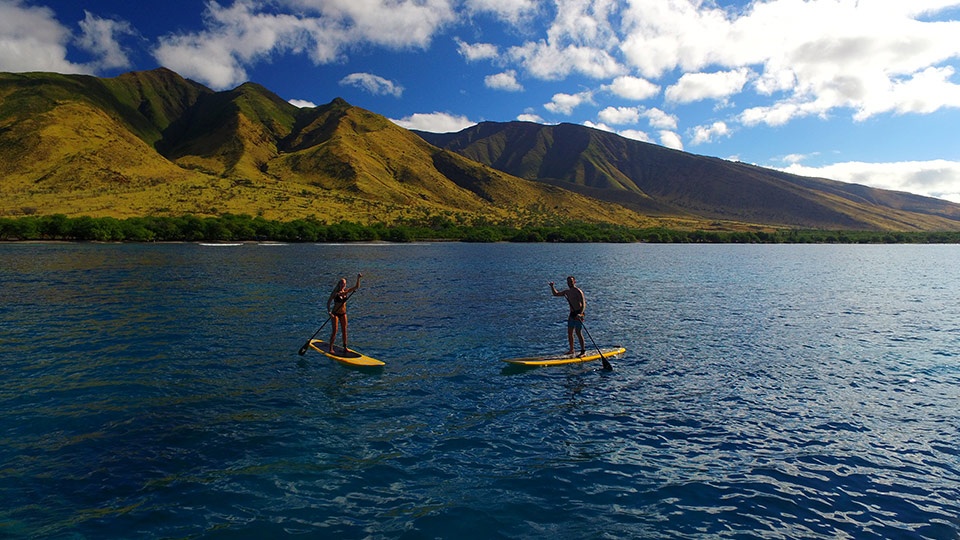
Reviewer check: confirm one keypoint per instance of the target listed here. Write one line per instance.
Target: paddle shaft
(303, 350)
(606, 363)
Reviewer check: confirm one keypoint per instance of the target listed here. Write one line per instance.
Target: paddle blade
(303, 350)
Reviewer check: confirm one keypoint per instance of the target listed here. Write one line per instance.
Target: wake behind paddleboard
(349, 357)
(561, 359)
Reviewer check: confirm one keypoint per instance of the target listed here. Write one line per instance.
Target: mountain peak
(153, 142)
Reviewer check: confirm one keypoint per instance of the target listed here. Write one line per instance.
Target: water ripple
(155, 392)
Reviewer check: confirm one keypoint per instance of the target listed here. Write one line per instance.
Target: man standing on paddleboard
(578, 303)
(337, 308)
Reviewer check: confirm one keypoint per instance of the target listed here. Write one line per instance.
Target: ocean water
(769, 391)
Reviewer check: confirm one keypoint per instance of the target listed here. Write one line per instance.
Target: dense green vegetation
(245, 228)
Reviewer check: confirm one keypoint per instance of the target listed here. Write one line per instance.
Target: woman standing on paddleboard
(337, 308)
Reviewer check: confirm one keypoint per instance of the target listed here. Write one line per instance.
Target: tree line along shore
(240, 228)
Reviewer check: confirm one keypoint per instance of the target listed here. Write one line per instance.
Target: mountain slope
(69, 143)
(656, 180)
(155, 143)
(351, 151)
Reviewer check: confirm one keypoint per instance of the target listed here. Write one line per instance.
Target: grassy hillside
(155, 144)
(659, 181)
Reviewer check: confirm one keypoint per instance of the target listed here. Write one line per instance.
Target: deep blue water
(155, 391)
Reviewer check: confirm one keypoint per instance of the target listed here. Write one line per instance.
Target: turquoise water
(155, 391)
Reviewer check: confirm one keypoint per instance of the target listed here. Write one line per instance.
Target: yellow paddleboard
(561, 359)
(349, 357)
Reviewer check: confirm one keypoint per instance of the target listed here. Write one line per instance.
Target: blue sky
(864, 91)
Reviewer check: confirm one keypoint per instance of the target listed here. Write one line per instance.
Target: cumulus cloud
(436, 122)
(620, 115)
(708, 133)
(32, 39)
(599, 125)
(773, 115)
(671, 139)
(234, 37)
(100, 38)
(513, 11)
(565, 103)
(633, 134)
(636, 135)
(548, 61)
(635, 88)
(797, 158)
(812, 57)
(937, 178)
(373, 84)
(302, 103)
(580, 40)
(245, 33)
(473, 52)
(632, 115)
(659, 119)
(699, 86)
(394, 24)
(798, 59)
(503, 81)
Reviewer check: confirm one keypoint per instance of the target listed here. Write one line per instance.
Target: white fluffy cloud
(705, 134)
(373, 84)
(635, 88)
(32, 39)
(504, 81)
(100, 37)
(244, 33)
(302, 103)
(599, 125)
(473, 52)
(937, 178)
(530, 117)
(565, 103)
(659, 119)
(671, 139)
(549, 61)
(636, 135)
(437, 122)
(810, 57)
(699, 86)
(513, 11)
(620, 115)
(235, 37)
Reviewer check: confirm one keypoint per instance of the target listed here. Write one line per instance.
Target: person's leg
(343, 331)
(570, 339)
(333, 332)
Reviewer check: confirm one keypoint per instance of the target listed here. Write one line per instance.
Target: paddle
(606, 363)
(303, 350)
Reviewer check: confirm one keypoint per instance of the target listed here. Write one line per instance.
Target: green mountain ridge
(659, 181)
(153, 143)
